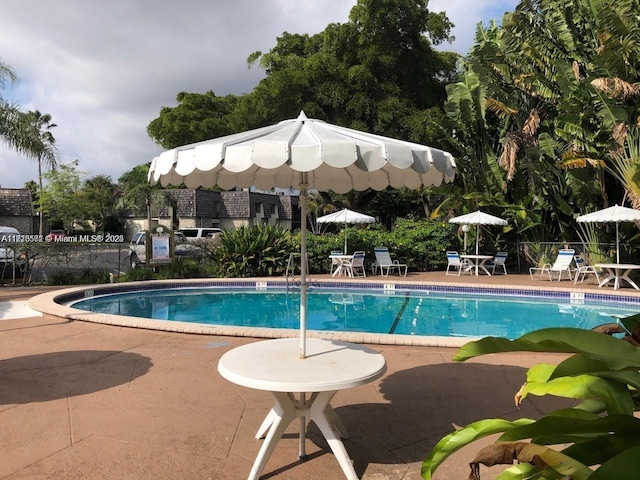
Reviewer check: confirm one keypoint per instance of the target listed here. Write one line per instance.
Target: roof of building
(16, 202)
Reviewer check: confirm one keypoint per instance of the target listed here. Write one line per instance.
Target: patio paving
(81, 400)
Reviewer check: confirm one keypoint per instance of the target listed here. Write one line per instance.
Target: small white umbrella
(615, 214)
(303, 154)
(478, 218)
(346, 216)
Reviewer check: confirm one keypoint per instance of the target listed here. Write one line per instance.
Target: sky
(104, 69)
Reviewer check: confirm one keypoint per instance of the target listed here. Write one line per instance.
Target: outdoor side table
(478, 262)
(618, 272)
(275, 366)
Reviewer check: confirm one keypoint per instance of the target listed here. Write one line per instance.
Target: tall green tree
(9, 113)
(41, 145)
(559, 80)
(580, 61)
(62, 198)
(197, 117)
(99, 195)
(138, 195)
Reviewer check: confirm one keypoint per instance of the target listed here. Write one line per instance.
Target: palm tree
(36, 132)
(9, 113)
(137, 191)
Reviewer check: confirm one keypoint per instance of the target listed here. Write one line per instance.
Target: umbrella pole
(303, 305)
(477, 237)
(617, 245)
(303, 268)
(345, 234)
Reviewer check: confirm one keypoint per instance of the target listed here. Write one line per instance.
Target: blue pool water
(404, 313)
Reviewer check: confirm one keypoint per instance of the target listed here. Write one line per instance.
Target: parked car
(7, 235)
(138, 249)
(194, 234)
(54, 235)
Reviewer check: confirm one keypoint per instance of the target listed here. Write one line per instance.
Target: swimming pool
(409, 312)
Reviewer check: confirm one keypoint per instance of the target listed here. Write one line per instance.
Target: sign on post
(160, 250)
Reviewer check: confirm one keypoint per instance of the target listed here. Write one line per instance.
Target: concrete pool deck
(83, 400)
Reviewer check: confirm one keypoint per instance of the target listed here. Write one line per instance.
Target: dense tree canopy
(551, 97)
(378, 72)
(541, 115)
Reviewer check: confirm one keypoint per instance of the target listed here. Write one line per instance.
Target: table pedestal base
(618, 272)
(317, 408)
(617, 280)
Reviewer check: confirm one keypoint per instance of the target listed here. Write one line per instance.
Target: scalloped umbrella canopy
(478, 218)
(304, 154)
(346, 216)
(615, 214)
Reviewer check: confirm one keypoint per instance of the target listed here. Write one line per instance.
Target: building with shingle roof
(227, 210)
(16, 210)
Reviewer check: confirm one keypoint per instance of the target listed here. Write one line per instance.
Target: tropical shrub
(421, 244)
(86, 276)
(258, 251)
(597, 439)
(187, 268)
(139, 274)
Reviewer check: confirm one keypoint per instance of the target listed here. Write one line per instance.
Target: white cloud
(103, 69)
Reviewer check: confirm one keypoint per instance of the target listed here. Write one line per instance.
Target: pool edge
(46, 303)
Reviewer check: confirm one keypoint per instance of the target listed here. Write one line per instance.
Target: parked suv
(138, 250)
(194, 234)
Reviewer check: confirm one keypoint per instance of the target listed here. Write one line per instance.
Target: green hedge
(422, 245)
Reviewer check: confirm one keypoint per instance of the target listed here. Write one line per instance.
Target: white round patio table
(479, 261)
(275, 366)
(618, 272)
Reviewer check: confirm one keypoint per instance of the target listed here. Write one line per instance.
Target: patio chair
(385, 264)
(561, 266)
(583, 270)
(498, 261)
(454, 261)
(355, 266)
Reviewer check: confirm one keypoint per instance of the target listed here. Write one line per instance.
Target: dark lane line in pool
(399, 315)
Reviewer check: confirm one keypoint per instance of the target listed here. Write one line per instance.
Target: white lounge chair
(454, 261)
(562, 265)
(498, 261)
(583, 270)
(385, 264)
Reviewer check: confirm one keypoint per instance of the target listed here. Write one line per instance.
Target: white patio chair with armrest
(385, 264)
(583, 269)
(454, 261)
(562, 265)
(498, 261)
(355, 266)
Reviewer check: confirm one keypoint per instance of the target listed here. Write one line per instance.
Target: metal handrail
(290, 270)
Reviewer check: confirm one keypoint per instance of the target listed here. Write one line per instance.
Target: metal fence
(537, 253)
(39, 262)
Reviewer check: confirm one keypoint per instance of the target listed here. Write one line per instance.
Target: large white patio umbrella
(615, 214)
(304, 154)
(346, 216)
(478, 218)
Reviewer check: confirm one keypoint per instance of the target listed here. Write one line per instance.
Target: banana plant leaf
(571, 421)
(616, 396)
(460, 438)
(603, 448)
(625, 466)
(613, 352)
